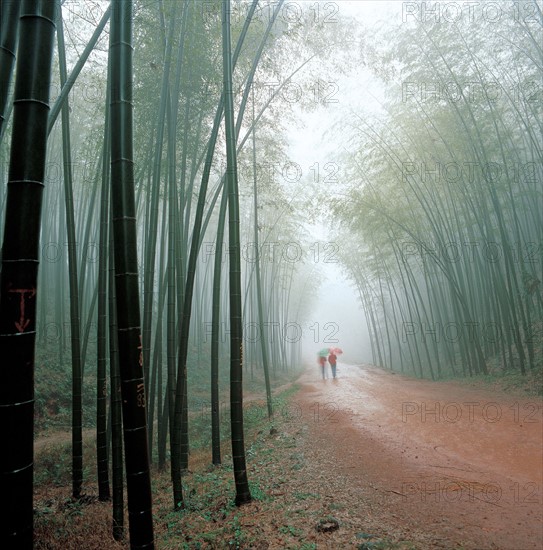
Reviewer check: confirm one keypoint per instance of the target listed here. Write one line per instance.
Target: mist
(336, 320)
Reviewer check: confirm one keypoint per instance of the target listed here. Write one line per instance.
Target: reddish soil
(462, 465)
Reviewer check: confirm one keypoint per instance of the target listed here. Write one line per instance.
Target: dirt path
(462, 465)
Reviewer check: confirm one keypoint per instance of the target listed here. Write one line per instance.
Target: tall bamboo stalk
(77, 382)
(261, 322)
(117, 485)
(9, 28)
(179, 440)
(20, 259)
(126, 280)
(101, 341)
(243, 494)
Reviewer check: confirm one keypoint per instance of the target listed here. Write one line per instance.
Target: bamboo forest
(271, 274)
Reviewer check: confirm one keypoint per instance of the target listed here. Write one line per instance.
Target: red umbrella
(336, 351)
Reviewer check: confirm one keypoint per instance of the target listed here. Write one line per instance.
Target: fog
(336, 320)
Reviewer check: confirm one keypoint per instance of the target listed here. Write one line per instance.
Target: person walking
(332, 359)
(322, 363)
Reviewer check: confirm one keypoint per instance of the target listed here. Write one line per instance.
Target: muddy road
(462, 464)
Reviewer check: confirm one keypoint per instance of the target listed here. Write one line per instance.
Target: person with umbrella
(322, 361)
(332, 359)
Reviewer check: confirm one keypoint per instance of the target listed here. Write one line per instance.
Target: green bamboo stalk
(243, 494)
(126, 280)
(9, 29)
(215, 333)
(180, 390)
(150, 248)
(20, 259)
(157, 354)
(101, 352)
(115, 401)
(263, 332)
(77, 380)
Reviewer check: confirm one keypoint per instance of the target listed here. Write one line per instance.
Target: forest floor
(370, 460)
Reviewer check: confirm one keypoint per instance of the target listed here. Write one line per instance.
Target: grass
(53, 462)
(209, 517)
(510, 381)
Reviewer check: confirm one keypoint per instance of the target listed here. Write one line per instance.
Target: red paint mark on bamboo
(22, 323)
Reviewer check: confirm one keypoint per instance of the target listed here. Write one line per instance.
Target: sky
(368, 9)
